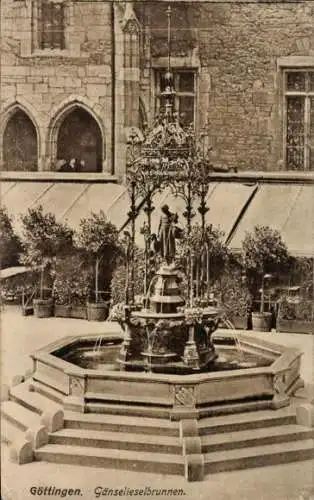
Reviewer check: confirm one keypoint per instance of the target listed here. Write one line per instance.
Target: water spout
(237, 342)
(149, 290)
(98, 342)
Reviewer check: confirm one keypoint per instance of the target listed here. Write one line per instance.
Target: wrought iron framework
(170, 156)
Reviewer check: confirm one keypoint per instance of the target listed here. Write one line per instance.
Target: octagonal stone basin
(248, 373)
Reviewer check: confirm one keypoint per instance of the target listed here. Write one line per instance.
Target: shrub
(13, 288)
(264, 253)
(98, 241)
(233, 293)
(301, 311)
(208, 248)
(71, 283)
(118, 282)
(44, 240)
(10, 244)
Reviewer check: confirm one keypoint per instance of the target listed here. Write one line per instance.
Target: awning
(289, 209)
(9, 272)
(234, 207)
(69, 201)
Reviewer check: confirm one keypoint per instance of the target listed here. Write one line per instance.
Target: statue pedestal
(191, 357)
(125, 354)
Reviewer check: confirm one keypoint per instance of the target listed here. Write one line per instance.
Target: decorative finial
(169, 35)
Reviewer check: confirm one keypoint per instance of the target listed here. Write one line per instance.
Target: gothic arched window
(131, 45)
(20, 143)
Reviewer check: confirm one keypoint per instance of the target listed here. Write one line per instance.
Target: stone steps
(20, 417)
(118, 408)
(250, 438)
(117, 440)
(127, 398)
(246, 421)
(124, 409)
(258, 456)
(31, 400)
(161, 463)
(232, 408)
(9, 432)
(48, 392)
(148, 444)
(110, 423)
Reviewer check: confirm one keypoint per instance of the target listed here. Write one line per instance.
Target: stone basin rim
(45, 355)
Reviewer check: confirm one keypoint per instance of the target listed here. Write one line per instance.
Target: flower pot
(27, 310)
(43, 308)
(78, 312)
(97, 311)
(70, 311)
(239, 322)
(62, 311)
(261, 321)
(295, 326)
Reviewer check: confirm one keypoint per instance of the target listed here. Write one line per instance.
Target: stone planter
(27, 310)
(261, 322)
(295, 326)
(239, 322)
(78, 312)
(43, 308)
(97, 311)
(62, 311)
(70, 311)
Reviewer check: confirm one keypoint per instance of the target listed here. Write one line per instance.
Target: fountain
(169, 361)
(169, 365)
(169, 336)
(164, 378)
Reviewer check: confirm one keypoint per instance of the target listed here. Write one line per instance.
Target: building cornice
(85, 178)
(248, 177)
(295, 62)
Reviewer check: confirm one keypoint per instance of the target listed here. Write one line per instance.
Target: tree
(210, 252)
(98, 239)
(119, 278)
(10, 244)
(264, 253)
(44, 240)
(71, 280)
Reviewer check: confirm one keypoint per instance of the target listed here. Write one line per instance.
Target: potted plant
(210, 256)
(10, 245)
(44, 240)
(235, 298)
(119, 280)
(98, 241)
(71, 287)
(295, 316)
(264, 255)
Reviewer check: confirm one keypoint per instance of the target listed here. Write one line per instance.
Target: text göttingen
(101, 491)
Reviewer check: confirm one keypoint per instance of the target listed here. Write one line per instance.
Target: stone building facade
(76, 76)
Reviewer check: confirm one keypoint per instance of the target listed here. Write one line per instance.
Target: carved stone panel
(184, 396)
(77, 386)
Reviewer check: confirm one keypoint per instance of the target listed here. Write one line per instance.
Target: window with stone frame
(131, 63)
(131, 45)
(185, 97)
(51, 24)
(299, 119)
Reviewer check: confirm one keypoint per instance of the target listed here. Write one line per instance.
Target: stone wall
(237, 48)
(47, 84)
(234, 48)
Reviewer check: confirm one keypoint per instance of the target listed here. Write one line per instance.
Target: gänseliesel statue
(168, 232)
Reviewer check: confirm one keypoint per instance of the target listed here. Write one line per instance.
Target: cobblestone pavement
(22, 335)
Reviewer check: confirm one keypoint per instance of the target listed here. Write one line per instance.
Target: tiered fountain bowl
(166, 336)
